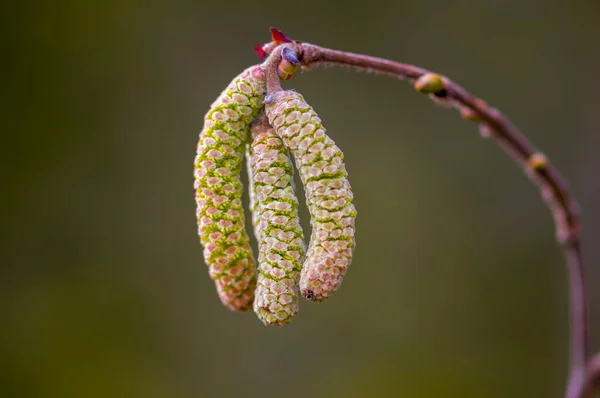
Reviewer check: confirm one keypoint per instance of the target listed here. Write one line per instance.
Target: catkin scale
(328, 194)
(217, 168)
(275, 216)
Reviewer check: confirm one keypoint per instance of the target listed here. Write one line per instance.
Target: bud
(217, 168)
(289, 65)
(430, 83)
(538, 161)
(277, 226)
(469, 114)
(328, 194)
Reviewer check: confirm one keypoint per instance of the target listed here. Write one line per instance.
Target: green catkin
(277, 226)
(252, 203)
(217, 168)
(328, 194)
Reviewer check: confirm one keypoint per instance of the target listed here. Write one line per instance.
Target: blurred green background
(457, 288)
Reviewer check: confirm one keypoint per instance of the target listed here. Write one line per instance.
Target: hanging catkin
(217, 168)
(328, 194)
(277, 226)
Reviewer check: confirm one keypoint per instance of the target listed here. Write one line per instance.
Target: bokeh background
(457, 288)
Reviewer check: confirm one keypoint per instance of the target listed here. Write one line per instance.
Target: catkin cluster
(285, 269)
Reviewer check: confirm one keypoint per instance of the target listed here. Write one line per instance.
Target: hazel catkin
(328, 194)
(278, 231)
(217, 168)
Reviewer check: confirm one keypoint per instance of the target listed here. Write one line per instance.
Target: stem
(553, 187)
(272, 74)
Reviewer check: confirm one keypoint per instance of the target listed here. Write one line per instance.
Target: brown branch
(593, 377)
(553, 187)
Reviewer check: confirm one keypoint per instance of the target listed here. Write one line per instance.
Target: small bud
(289, 65)
(430, 83)
(217, 168)
(538, 161)
(329, 197)
(287, 70)
(469, 114)
(289, 55)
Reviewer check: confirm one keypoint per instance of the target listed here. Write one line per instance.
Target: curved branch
(553, 187)
(270, 67)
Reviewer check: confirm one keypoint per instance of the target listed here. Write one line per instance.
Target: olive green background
(457, 288)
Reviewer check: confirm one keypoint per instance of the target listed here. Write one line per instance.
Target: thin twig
(593, 377)
(553, 187)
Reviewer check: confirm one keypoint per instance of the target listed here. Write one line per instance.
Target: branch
(593, 378)
(553, 187)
